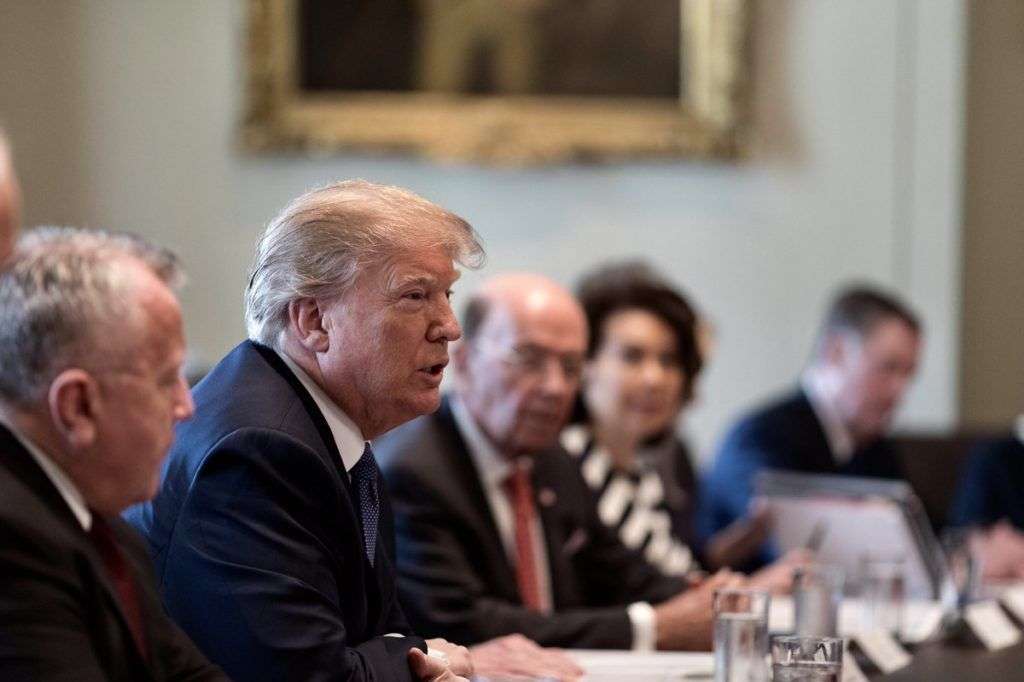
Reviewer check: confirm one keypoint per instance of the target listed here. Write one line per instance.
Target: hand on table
(452, 665)
(777, 578)
(740, 540)
(686, 621)
(515, 656)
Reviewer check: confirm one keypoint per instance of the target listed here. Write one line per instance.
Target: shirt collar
(819, 394)
(347, 436)
(67, 489)
(494, 467)
(1019, 428)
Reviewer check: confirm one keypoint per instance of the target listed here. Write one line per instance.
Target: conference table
(932, 662)
(934, 658)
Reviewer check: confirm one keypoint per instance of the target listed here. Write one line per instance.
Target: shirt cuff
(645, 634)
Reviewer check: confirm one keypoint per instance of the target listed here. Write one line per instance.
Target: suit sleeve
(729, 487)
(254, 565)
(444, 597)
(44, 630)
(976, 501)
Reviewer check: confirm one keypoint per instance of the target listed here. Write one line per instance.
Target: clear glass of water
(817, 592)
(807, 659)
(883, 593)
(741, 636)
(964, 568)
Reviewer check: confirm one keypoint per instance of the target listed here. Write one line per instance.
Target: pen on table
(817, 536)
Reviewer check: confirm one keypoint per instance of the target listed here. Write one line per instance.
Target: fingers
(427, 668)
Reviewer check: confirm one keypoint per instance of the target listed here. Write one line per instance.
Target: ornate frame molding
(707, 122)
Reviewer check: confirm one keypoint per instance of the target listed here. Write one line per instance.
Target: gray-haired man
(91, 346)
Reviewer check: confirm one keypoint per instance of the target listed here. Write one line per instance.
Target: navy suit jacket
(60, 617)
(257, 543)
(992, 485)
(455, 577)
(786, 435)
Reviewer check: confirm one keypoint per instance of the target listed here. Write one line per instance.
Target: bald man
(10, 200)
(497, 531)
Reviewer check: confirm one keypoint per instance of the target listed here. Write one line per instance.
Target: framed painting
(506, 82)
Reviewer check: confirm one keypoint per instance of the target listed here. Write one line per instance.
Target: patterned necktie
(520, 492)
(102, 537)
(364, 475)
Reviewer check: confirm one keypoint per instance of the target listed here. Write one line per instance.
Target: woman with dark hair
(643, 360)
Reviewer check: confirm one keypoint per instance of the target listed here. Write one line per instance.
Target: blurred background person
(497, 532)
(835, 421)
(10, 199)
(990, 500)
(644, 357)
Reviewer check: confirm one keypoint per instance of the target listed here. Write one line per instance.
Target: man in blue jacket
(836, 419)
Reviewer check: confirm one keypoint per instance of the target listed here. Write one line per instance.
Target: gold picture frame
(708, 120)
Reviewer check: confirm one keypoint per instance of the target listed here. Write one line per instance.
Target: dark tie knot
(365, 469)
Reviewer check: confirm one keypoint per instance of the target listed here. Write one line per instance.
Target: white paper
(883, 650)
(922, 623)
(628, 666)
(852, 671)
(991, 626)
(1013, 599)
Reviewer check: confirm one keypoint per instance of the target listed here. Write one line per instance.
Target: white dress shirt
(71, 495)
(820, 392)
(494, 469)
(347, 436)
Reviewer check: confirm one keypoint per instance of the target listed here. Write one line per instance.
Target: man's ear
(305, 317)
(835, 349)
(74, 403)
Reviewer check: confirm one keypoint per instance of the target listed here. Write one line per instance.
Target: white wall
(123, 115)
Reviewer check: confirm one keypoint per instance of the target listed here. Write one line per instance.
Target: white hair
(322, 240)
(64, 297)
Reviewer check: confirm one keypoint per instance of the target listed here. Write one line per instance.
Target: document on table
(628, 666)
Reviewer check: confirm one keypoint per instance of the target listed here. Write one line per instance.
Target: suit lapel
(818, 456)
(562, 538)
(22, 466)
(466, 485)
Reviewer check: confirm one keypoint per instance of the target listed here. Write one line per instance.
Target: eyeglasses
(530, 359)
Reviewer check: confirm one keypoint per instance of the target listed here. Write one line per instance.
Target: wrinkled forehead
(537, 319)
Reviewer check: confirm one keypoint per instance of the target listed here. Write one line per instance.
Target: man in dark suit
(835, 422)
(990, 501)
(91, 347)
(272, 533)
(497, 531)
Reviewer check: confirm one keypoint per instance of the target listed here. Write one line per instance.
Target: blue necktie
(364, 475)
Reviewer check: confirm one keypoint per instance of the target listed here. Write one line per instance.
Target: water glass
(883, 593)
(817, 592)
(963, 567)
(807, 659)
(741, 636)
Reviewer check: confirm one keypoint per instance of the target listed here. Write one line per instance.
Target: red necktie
(520, 492)
(120, 576)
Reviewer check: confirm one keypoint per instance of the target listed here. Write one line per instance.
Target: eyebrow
(423, 280)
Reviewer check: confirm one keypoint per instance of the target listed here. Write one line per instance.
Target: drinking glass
(807, 659)
(741, 636)
(817, 592)
(883, 593)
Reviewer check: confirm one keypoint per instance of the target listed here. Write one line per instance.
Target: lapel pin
(547, 497)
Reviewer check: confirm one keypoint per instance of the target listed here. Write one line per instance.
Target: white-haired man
(272, 534)
(91, 347)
